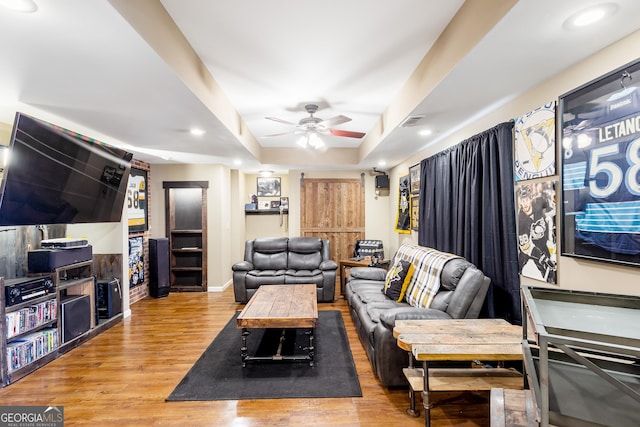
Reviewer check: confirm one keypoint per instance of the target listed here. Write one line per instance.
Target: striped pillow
(425, 282)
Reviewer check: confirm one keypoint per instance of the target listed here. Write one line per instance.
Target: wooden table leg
(343, 278)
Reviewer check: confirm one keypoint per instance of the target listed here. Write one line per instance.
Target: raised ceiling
(142, 73)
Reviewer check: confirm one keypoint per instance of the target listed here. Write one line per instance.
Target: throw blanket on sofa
(427, 264)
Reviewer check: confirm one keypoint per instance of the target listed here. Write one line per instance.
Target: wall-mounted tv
(57, 176)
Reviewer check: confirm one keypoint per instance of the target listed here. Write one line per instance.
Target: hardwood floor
(122, 377)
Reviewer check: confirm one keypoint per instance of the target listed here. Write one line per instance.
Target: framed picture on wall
(403, 216)
(268, 187)
(137, 213)
(600, 124)
(414, 178)
(415, 206)
(136, 261)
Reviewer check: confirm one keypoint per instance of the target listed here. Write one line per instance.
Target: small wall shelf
(274, 211)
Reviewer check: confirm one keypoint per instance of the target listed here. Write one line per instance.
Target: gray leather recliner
(282, 260)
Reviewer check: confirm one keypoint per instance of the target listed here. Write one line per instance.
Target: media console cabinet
(32, 332)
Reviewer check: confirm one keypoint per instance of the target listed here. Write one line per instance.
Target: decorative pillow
(398, 278)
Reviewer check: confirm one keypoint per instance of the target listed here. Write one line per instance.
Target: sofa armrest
(328, 265)
(242, 266)
(388, 317)
(368, 273)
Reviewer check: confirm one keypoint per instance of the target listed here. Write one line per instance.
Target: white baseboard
(220, 288)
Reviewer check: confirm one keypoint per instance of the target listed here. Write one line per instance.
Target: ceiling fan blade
(277, 134)
(286, 122)
(347, 133)
(337, 120)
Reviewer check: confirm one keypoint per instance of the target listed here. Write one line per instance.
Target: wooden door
(333, 209)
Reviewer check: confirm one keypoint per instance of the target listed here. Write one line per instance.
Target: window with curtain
(467, 208)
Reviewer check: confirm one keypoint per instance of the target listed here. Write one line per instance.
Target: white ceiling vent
(412, 121)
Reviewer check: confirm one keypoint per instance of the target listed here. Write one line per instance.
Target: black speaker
(75, 311)
(159, 267)
(382, 181)
(45, 260)
(109, 298)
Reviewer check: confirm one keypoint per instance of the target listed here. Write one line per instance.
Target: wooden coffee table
(280, 307)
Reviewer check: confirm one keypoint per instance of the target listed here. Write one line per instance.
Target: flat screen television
(57, 176)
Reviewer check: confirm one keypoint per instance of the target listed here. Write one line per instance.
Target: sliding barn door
(333, 209)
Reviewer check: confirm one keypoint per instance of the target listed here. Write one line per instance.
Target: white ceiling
(121, 71)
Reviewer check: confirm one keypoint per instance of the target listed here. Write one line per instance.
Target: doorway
(186, 228)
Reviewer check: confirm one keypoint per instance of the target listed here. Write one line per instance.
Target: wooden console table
(458, 340)
(348, 263)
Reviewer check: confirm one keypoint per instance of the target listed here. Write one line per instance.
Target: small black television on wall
(57, 176)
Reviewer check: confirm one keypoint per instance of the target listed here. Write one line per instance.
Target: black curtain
(467, 208)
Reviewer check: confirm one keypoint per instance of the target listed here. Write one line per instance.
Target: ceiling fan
(312, 126)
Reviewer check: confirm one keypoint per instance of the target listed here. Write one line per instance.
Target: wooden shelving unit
(74, 279)
(186, 228)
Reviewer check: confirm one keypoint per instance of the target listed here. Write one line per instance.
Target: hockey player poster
(536, 221)
(601, 168)
(535, 143)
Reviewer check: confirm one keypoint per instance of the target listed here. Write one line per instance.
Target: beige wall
(265, 225)
(573, 273)
(378, 223)
(5, 133)
(219, 213)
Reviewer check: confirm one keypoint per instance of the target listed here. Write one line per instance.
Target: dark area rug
(219, 375)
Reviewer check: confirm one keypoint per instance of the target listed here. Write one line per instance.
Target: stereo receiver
(27, 288)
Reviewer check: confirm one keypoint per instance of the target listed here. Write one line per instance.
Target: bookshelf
(186, 228)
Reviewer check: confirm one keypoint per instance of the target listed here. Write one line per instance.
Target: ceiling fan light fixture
(315, 141)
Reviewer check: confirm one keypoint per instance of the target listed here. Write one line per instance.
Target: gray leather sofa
(461, 295)
(282, 260)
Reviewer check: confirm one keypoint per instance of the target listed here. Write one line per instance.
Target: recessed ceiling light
(425, 132)
(25, 6)
(382, 163)
(590, 15)
(197, 132)
(266, 173)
